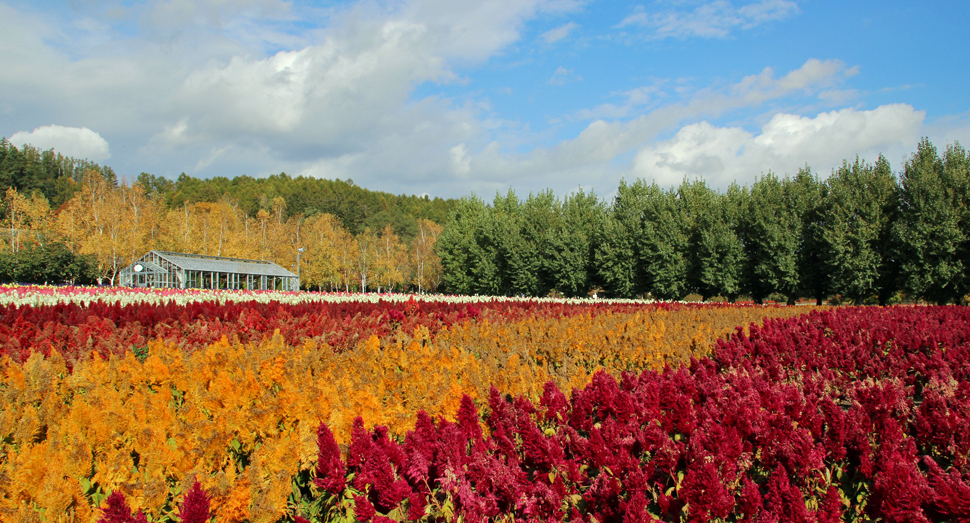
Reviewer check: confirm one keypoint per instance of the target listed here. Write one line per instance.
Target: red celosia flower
(783, 501)
(554, 401)
(899, 490)
(417, 506)
(419, 447)
(951, 494)
(635, 510)
(831, 509)
(363, 510)
(118, 511)
(195, 506)
(360, 444)
(750, 503)
(468, 419)
(331, 471)
(705, 494)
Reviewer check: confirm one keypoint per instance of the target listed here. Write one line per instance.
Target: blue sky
(449, 98)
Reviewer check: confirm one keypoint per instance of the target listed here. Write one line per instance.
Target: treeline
(865, 235)
(337, 235)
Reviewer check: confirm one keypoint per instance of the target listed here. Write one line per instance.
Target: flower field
(454, 409)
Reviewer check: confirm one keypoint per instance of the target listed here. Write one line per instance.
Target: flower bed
(234, 397)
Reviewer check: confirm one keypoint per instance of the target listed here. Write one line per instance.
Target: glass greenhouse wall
(196, 271)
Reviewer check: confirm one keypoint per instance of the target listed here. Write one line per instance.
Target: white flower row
(39, 295)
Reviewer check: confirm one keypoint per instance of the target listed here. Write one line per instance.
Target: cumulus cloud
(722, 155)
(69, 141)
(710, 20)
(343, 106)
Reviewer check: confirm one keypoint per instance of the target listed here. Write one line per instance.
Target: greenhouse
(177, 270)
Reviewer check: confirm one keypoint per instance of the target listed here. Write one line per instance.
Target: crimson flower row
(855, 414)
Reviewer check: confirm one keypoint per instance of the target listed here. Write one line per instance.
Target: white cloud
(217, 13)
(554, 35)
(722, 155)
(812, 76)
(710, 20)
(634, 100)
(460, 160)
(69, 141)
(258, 86)
(474, 31)
(591, 153)
(563, 75)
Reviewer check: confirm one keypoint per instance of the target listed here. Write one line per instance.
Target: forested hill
(58, 178)
(356, 207)
(54, 175)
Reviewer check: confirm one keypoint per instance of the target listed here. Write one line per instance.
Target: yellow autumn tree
(136, 232)
(390, 261)
(176, 231)
(323, 258)
(28, 220)
(425, 262)
(92, 222)
(366, 256)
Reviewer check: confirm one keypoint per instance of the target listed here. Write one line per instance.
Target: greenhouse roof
(200, 262)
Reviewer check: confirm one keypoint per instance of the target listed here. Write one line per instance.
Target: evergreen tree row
(866, 234)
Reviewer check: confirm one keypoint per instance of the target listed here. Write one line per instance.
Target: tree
(714, 250)
(771, 233)
(663, 245)
(616, 249)
(805, 194)
(390, 261)
(468, 264)
(321, 260)
(14, 205)
(858, 213)
(931, 231)
(569, 245)
(91, 223)
(522, 236)
(366, 257)
(427, 264)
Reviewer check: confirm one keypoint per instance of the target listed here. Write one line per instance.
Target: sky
(450, 98)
